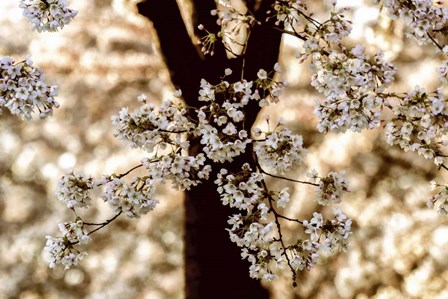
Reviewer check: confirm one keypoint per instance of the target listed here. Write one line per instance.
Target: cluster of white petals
(221, 124)
(441, 198)
(242, 190)
(183, 171)
(330, 236)
(421, 16)
(133, 199)
(257, 229)
(280, 151)
(48, 15)
(339, 232)
(304, 255)
(259, 249)
(352, 83)
(232, 20)
(221, 146)
(330, 188)
(251, 231)
(335, 28)
(443, 69)
(419, 124)
(287, 12)
(61, 250)
(23, 90)
(74, 189)
(150, 128)
(351, 80)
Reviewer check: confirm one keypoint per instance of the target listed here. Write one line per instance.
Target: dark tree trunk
(213, 266)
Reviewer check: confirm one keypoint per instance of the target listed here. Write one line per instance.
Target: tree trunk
(213, 266)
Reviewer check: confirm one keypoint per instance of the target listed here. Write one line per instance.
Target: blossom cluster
(335, 28)
(351, 80)
(150, 128)
(287, 12)
(133, 199)
(74, 189)
(242, 190)
(23, 90)
(261, 244)
(295, 19)
(207, 41)
(232, 20)
(419, 124)
(221, 118)
(252, 230)
(257, 229)
(421, 16)
(443, 69)
(330, 188)
(48, 15)
(333, 235)
(441, 198)
(183, 171)
(61, 250)
(280, 151)
(352, 83)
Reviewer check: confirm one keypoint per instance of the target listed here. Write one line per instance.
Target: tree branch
(176, 46)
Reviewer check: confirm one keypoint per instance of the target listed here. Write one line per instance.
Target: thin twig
(289, 219)
(284, 178)
(434, 41)
(293, 33)
(101, 225)
(443, 166)
(129, 171)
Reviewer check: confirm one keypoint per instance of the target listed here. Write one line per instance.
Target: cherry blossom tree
(203, 139)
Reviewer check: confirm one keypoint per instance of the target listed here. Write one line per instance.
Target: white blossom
(280, 151)
(441, 198)
(48, 15)
(242, 190)
(149, 128)
(421, 17)
(331, 187)
(74, 189)
(133, 199)
(419, 124)
(23, 89)
(351, 82)
(183, 172)
(61, 250)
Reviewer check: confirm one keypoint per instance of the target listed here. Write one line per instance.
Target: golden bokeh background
(102, 62)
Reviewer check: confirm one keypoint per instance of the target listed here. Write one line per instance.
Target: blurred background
(102, 62)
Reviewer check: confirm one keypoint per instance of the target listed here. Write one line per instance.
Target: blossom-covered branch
(353, 82)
